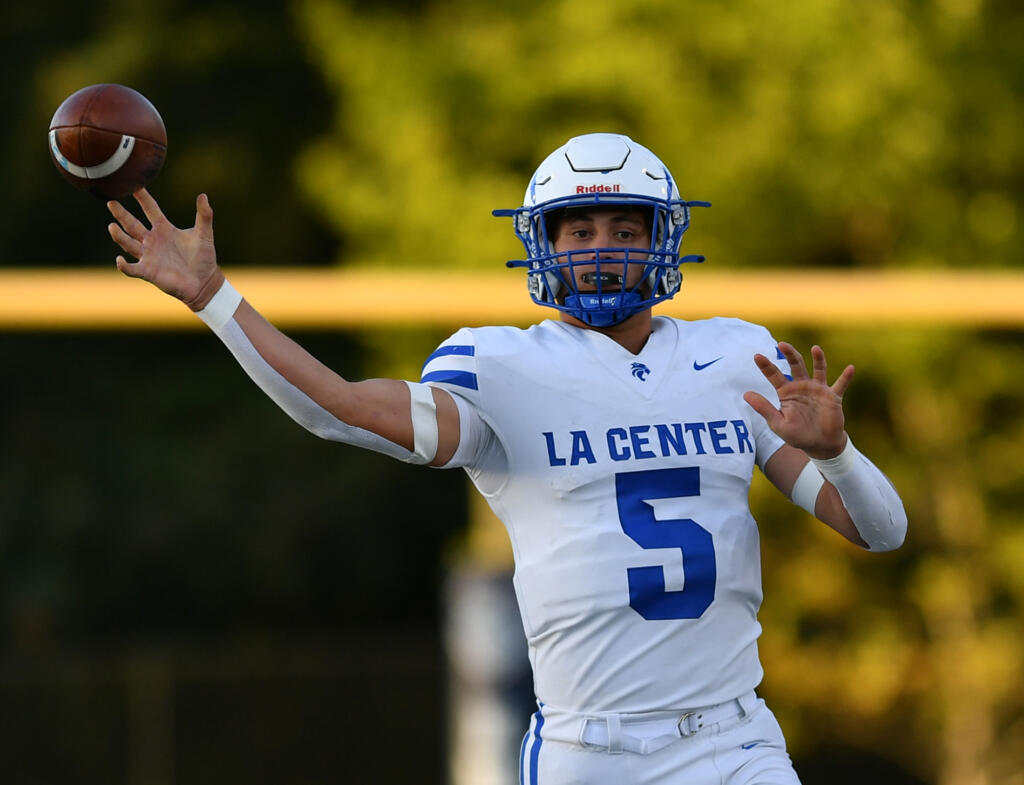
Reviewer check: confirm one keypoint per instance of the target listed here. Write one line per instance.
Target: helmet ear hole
(670, 282)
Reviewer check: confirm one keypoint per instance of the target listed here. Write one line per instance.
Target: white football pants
(746, 748)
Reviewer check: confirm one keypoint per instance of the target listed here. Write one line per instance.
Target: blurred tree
(833, 133)
(237, 96)
(184, 502)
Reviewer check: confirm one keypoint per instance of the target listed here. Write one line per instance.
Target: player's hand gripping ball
(108, 139)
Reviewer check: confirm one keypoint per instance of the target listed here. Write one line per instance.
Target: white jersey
(623, 481)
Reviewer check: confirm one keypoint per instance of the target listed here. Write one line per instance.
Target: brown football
(108, 139)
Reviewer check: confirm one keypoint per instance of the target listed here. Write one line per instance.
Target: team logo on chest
(639, 371)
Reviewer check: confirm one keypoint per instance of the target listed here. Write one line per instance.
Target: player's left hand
(810, 414)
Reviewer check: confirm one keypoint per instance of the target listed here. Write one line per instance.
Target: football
(108, 139)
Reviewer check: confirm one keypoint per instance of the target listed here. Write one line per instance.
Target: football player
(616, 446)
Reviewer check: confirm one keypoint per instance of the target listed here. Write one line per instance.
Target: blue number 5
(647, 593)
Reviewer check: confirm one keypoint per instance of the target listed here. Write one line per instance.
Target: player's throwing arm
(410, 422)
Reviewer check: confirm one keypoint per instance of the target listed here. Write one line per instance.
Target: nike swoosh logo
(701, 366)
(750, 746)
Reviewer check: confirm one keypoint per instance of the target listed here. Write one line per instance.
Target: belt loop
(747, 703)
(614, 734)
(582, 740)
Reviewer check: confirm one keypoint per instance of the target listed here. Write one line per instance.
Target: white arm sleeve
(474, 435)
(805, 489)
(219, 316)
(871, 500)
(480, 451)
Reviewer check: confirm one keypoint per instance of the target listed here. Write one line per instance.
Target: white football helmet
(608, 170)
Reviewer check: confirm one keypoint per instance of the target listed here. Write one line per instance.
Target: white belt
(640, 733)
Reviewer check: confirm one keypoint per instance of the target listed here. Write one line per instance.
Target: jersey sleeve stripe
(464, 350)
(453, 364)
(450, 363)
(449, 376)
(783, 363)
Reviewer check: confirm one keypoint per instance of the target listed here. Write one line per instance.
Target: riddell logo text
(598, 189)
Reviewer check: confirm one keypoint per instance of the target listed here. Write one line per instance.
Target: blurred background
(193, 590)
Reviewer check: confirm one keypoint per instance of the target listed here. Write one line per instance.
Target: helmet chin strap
(594, 309)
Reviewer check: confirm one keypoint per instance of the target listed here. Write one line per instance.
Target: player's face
(580, 231)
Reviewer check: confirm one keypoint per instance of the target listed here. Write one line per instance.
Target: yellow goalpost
(336, 298)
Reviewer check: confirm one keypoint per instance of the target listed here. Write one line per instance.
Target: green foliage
(825, 132)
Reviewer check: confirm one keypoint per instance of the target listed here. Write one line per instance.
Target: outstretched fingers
(819, 364)
(770, 370)
(128, 232)
(149, 206)
(128, 243)
(797, 367)
(821, 372)
(129, 222)
(131, 269)
(204, 218)
(839, 388)
(762, 406)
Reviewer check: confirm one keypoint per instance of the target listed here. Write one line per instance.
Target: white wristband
(870, 499)
(840, 464)
(221, 308)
